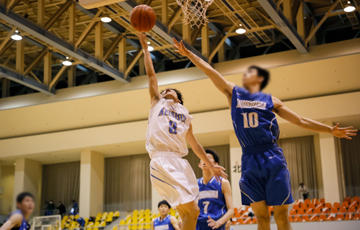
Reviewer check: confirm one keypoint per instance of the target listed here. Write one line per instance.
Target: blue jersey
(211, 200)
(164, 224)
(24, 224)
(253, 119)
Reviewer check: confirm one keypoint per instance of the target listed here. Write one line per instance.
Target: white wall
(330, 225)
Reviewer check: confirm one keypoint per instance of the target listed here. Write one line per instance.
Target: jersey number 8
(251, 120)
(172, 127)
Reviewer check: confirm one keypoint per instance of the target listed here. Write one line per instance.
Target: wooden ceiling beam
(58, 14)
(221, 43)
(36, 61)
(133, 62)
(323, 19)
(112, 47)
(91, 25)
(6, 40)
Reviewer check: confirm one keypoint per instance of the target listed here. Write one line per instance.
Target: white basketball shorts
(173, 178)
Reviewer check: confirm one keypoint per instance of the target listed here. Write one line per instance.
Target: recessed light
(67, 62)
(106, 19)
(241, 30)
(349, 8)
(16, 36)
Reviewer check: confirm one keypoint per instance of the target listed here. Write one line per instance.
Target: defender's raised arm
(153, 83)
(219, 81)
(289, 115)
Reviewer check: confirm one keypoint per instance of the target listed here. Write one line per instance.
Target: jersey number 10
(251, 120)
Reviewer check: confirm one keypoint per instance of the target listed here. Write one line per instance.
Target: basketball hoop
(195, 11)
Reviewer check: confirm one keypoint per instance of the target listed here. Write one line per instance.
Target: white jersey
(167, 128)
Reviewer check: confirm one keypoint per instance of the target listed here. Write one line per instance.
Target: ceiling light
(105, 19)
(148, 43)
(349, 8)
(67, 62)
(16, 36)
(150, 48)
(240, 30)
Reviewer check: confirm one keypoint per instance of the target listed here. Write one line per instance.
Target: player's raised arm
(225, 86)
(153, 83)
(218, 170)
(175, 223)
(226, 189)
(13, 221)
(289, 115)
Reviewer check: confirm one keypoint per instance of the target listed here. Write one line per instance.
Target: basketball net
(195, 11)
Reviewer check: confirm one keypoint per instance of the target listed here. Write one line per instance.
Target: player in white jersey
(169, 131)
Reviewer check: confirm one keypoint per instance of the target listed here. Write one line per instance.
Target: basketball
(143, 18)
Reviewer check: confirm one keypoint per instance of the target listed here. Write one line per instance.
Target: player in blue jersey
(18, 220)
(215, 199)
(165, 221)
(265, 178)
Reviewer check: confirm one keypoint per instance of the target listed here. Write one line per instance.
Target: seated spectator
(81, 222)
(50, 208)
(61, 208)
(303, 192)
(75, 208)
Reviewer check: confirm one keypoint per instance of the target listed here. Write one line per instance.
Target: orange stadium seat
(293, 211)
(247, 220)
(301, 211)
(331, 217)
(354, 204)
(342, 210)
(352, 209)
(309, 211)
(315, 201)
(298, 218)
(291, 218)
(314, 217)
(336, 205)
(307, 203)
(322, 217)
(306, 218)
(340, 216)
(327, 208)
(345, 204)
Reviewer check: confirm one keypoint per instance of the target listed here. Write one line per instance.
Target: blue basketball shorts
(265, 176)
(203, 225)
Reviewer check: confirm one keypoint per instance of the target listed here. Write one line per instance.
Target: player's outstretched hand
(346, 132)
(212, 223)
(219, 171)
(142, 40)
(180, 48)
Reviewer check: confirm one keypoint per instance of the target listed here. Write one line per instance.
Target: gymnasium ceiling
(56, 29)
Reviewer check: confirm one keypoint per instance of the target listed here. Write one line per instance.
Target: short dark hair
(23, 195)
(178, 94)
(213, 153)
(164, 202)
(262, 73)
